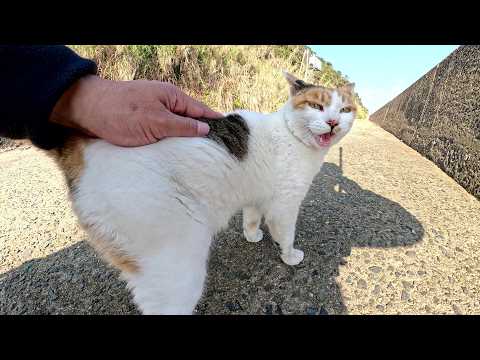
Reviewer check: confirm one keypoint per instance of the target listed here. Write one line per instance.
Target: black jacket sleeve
(32, 79)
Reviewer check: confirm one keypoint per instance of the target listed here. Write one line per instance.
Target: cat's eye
(345, 110)
(317, 106)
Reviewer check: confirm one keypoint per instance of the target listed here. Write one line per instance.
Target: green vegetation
(224, 77)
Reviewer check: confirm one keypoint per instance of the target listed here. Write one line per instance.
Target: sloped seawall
(439, 116)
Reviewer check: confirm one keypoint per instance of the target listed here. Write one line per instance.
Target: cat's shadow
(336, 215)
(244, 278)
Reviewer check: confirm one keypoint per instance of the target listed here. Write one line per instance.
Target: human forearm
(32, 79)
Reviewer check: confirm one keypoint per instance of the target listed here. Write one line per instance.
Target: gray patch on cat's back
(232, 132)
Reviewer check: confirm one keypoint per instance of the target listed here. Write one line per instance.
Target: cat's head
(317, 115)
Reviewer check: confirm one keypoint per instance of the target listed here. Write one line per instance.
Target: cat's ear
(295, 84)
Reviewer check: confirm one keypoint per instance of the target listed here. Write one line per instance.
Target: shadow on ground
(71, 281)
(244, 278)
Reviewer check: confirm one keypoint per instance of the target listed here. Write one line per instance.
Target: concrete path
(383, 229)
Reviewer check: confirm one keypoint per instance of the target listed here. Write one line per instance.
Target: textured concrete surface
(8, 144)
(384, 231)
(5, 143)
(439, 116)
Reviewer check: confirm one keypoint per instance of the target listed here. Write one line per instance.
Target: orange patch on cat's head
(303, 93)
(312, 95)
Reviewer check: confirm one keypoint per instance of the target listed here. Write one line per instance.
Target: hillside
(224, 77)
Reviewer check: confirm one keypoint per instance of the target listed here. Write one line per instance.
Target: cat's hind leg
(252, 219)
(171, 279)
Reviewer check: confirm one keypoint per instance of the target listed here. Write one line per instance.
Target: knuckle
(191, 125)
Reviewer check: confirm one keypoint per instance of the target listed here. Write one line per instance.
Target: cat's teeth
(324, 139)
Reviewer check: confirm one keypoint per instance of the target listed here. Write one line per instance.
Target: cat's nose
(332, 122)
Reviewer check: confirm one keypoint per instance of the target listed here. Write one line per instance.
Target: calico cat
(152, 211)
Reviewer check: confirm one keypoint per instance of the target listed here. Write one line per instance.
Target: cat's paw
(256, 238)
(294, 257)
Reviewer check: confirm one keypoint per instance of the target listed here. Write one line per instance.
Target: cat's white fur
(162, 203)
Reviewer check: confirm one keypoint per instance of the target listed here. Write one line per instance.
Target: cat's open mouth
(324, 139)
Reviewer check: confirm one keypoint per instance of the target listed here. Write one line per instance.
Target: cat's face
(322, 116)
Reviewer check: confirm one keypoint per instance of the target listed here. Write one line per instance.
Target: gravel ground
(8, 144)
(383, 229)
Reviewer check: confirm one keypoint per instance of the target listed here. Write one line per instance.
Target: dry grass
(223, 77)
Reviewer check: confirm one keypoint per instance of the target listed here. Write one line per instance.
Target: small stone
(380, 307)
(343, 262)
(279, 310)
(269, 309)
(268, 287)
(405, 296)
(243, 276)
(410, 253)
(376, 290)
(362, 284)
(375, 269)
(233, 306)
(323, 311)
(445, 252)
(456, 309)
(26, 254)
(311, 311)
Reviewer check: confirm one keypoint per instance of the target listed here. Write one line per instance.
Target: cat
(152, 211)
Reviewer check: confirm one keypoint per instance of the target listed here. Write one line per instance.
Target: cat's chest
(296, 160)
(293, 175)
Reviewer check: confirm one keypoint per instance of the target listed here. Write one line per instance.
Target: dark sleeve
(32, 79)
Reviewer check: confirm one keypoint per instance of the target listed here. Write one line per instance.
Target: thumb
(176, 125)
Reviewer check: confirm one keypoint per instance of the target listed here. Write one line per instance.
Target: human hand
(130, 113)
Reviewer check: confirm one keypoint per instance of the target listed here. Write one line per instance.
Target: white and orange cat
(152, 211)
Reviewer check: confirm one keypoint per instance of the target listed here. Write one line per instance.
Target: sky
(381, 72)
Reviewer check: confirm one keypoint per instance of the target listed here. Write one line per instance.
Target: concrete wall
(439, 116)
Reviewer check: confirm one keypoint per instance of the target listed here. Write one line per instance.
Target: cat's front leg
(252, 219)
(282, 228)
